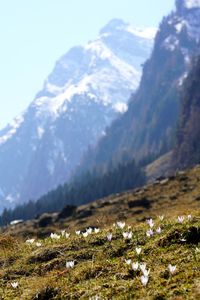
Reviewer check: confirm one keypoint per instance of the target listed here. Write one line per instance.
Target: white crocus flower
(197, 250)
(109, 237)
(128, 261)
(85, 234)
(149, 233)
(89, 230)
(180, 219)
(78, 232)
(38, 244)
(14, 284)
(144, 280)
(95, 298)
(96, 230)
(138, 250)
(146, 272)
(143, 267)
(54, 236)
(30, 241)
(189, 217)
(161, 218)
(121, 225)
(135, 266)
(171, 268)
(63, 233)
(150, 223)
(158, 230)
(67, 235)
(127, 235)
(70, 264)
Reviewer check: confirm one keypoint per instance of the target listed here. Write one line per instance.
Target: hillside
(87, 89)
(148, 127)
(187, 150)
(99, 268)
(167, 196)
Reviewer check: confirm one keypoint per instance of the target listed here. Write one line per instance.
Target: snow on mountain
(186, 19)
(189, 4)
(88, 87)
(12, 129)
(148, 127)
(148, 33)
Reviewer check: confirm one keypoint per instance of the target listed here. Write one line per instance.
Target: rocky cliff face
(187, 150)
(88, 87)
(148, 127)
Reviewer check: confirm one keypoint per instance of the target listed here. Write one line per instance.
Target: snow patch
(182, 79)
(13, 126)
(52, 88)
(179, 26)
(189, 4)
(171, 43)
(49, 106)
(40, 132)
(146, 33)
(99, 49)
(120, 107)
(10, 198)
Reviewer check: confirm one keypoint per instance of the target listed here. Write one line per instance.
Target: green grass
(100, 271)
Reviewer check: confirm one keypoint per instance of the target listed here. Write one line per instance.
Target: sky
(35, 33)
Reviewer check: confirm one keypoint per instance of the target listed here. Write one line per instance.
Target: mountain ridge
(88, 87)
(148, 127)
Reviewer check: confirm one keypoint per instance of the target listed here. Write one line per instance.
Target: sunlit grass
(105, 264)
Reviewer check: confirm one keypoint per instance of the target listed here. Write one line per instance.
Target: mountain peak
(88, 87)
(114, 24)
(119, 25)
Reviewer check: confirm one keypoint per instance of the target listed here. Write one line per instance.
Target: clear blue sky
(35, 33)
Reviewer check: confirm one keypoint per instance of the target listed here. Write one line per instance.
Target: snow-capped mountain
(88, 87)
(148, 128)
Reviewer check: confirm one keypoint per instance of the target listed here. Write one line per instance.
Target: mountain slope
(102, 269)
(187, 150)
(88, 87)
(148, 127)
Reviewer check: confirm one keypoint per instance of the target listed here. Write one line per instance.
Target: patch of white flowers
(150, 223)
(85, 234)
(65, 234)
(135, 266)
(14, 284)
(139, 267)
(127, 235)
(149, 233)
(109, 237)
(70, 264)
(121, 225)
(144, 279)
(161, 218)
(33, 242)
(54, 236)
(197, 250)
(128, 261)
(180, 219)
(158, 230)
(171, 269)
(30, 241)
(138, 250)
